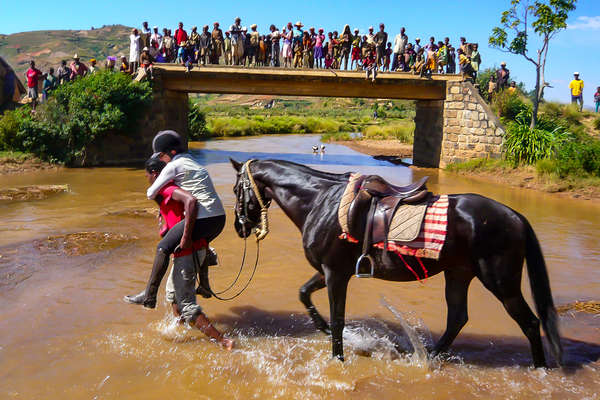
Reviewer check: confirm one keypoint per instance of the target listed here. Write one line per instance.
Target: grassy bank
(561, 154)
(336, 119)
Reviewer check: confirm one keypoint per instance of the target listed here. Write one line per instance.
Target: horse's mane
(311, 171)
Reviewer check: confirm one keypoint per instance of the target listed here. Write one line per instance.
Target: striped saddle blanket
(417, 230)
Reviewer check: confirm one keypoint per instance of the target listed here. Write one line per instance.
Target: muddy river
(66, 333)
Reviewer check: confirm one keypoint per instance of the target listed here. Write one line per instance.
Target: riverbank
(15, 162)
(527, 177)
(383, 147)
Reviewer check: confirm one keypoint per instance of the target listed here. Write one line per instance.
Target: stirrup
(357, 269)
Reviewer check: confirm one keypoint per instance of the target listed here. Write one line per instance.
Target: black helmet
(165, 141)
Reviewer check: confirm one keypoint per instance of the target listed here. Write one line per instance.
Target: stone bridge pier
(452, 121)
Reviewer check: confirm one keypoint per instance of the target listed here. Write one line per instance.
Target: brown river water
(66, 333)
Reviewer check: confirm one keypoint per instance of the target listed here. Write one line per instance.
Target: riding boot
(135, 298)
(203, 288)
(161, 263)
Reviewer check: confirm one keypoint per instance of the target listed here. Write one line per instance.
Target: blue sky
(576, 49)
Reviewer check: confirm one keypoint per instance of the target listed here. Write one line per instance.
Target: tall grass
(261, 125)
(402, 130)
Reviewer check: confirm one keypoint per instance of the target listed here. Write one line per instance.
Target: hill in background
(48, 48)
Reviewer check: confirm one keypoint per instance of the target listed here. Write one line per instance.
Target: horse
(485, 239)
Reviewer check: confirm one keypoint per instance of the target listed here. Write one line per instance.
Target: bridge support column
(429, 129)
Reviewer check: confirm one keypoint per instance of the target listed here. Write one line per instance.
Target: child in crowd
(492, 85)
(319, 39)
(356, 50)
(387, 57)
(370, 65)
(147, 60)
(465, 65)
(419, 64)
(181, 53)
(328, 61)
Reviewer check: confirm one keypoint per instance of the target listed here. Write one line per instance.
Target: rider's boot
(135, 298)
(203, 288)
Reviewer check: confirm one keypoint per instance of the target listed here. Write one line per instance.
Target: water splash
(416, 340)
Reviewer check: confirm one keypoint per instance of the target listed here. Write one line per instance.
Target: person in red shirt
(78, 69)
(180, 34)
(175, 204)
(33, 76)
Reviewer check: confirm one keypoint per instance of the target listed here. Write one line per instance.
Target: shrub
(77, 114)
(196, 123)
(525, 145)
(596, 124)
(577, 158)
(402, 131)
(572, 115)
(509, 105)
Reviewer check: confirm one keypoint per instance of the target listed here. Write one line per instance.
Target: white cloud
(585, 23)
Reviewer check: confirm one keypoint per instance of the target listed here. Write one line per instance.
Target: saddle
(378, 200)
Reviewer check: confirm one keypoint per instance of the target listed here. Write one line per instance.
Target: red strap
(423, 267)
(409, 268)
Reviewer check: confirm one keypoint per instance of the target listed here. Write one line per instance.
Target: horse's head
(250, 203)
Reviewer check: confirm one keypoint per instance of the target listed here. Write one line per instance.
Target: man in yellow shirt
(576, 87)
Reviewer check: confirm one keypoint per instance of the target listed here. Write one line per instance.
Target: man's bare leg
(203, 324)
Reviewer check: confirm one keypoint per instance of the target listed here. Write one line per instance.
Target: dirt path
(379, 147)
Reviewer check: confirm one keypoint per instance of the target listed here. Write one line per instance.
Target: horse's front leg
(337, 285)
(315, 283)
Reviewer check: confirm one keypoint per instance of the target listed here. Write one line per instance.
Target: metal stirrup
(371, 263)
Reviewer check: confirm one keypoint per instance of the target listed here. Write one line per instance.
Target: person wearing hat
(502, 76)
(227, 49)
(135, 45)
(124, 68)
(178, 206)
(318, 49)
(93, 68)
(297, 44)
(217, 44)
(146, 60)
(186, 173)
(237, 41)
(400, 42)
(78, 69)
(253, 48)
(576, 87)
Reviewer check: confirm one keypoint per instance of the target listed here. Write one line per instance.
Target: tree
(546, 18)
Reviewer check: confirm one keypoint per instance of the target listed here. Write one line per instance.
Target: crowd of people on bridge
(295, 46)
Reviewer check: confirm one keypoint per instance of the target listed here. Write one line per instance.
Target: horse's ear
(236, 165)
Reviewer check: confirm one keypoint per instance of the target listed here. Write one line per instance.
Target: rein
(247, 184)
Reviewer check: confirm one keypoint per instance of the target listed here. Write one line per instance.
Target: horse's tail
(542, 295)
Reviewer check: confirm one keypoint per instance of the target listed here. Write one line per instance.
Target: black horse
(485, 239)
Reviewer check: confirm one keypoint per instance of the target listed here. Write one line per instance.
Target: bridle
(248, 186)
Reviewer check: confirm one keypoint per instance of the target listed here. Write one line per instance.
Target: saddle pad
(432, 235)
(406, 222)
(347, 197)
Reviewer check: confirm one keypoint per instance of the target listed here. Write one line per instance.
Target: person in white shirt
(400, 42)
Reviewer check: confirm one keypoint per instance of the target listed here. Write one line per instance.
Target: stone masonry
(471, 129)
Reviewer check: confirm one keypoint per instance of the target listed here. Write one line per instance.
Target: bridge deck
(301, 82)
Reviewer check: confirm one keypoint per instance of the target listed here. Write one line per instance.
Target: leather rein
(248, 185)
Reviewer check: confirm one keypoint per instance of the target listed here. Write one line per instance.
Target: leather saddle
(370, 213)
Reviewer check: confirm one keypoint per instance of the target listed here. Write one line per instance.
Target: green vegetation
(336, 119)
(518, 24)
(15, 156)
(75, 115)
(560, 146)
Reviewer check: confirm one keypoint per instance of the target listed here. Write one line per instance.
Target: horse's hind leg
(315, 283)
(457, 286)
(506, 286)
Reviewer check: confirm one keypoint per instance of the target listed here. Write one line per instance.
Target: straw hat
(576, 73)
(253, 26)
(145, 49)
(503, 64)
(75, 57)
(298, 24)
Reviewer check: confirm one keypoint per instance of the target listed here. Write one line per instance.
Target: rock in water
(34, 192)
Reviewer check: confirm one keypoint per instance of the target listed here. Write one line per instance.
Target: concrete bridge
(452, 122)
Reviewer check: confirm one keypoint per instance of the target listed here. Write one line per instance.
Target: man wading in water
(188, 237)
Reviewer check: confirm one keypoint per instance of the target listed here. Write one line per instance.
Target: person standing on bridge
(204, 45)
(275, 38)
(400, 42)
(217, 44)
(356, 53)
(346, 45)
(135, 45)
(381, 39)
(237, 41)
(180, 35)
(254, 46)
(227, 49)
